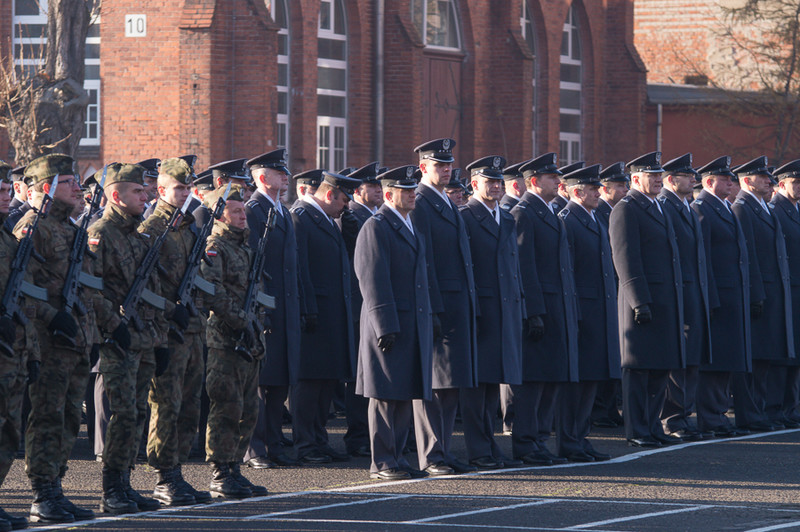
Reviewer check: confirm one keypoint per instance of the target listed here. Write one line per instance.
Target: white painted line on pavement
(792, 524)
(326, 506)
(447, 525)
(481, 511)
(635, 517)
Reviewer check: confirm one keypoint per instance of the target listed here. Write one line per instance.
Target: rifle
(137, 290)
(75, 274)
(196, 256)
(16, 285)
(253, 296)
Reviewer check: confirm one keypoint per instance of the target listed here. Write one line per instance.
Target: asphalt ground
(750, 483)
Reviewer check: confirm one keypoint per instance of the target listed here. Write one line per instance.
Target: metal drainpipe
(380, 14)
(659, 123)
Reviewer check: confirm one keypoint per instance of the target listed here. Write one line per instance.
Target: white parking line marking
(636, 517)
(793, 524)
(326, 507)
(447, 525)
(481, 511)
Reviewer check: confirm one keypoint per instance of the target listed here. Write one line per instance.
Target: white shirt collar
(373, 210)
(440, 194)
(310, 200)
(759, 200)
(406, 219)
(549, 205)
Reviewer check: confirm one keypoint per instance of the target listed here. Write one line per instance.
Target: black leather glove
(642, 314)
(33, 371)
(94, 355)
(162, 360)
(757, 309)
(386, 342)
(8, 330)
(267, 325)
(534, 328)
(180, 317)
(349, 230)
(122, 336)
(309, 323)
(437, 327)
(63, 323)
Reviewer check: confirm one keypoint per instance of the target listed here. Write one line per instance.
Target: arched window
(331, 85)
(570, 91)
(437, 22)
(529, 33)
(280, 14)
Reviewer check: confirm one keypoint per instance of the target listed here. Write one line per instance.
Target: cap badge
(409, 171)
(496, 162)
(446, 144)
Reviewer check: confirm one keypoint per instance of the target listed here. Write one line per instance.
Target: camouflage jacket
(174, 255)
(26, 336)
(53, 241)
(230, 257)
(120, 249)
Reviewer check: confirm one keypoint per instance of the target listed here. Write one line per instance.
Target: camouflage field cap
(45, 167)
(124, 173)
(5, 172)
(178, 169)
(236, 194)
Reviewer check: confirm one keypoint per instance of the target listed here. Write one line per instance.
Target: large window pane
(331, 78)
(570, 99)
(331, 49)
(570, 123)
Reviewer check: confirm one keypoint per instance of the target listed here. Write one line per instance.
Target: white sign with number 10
(135, 25)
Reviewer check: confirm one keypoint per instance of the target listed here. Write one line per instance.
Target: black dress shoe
(335, 455)
(580, 457)
(553, 458)
(284, 460)
(414, 473)
(688, 435)
(598, 456)
(509, 462)
(604, 423)
(260, 462)
(315, 457)
(644, 442)
(668, 439)
(790, 423)
(485, 463)
(437, 470)
(361, 451)
(462, 467)
(760, 426)
(536, 458)
(390, 474)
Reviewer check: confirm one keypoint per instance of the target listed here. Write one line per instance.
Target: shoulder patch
(94, 241)
(211, 252)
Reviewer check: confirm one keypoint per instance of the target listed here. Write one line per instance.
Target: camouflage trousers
(127, 377)
(55, 418)
(232, 385)
(175, 404)
(13, 375)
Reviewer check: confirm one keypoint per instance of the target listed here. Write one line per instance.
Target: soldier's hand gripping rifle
(191, 278)
(75, 274)
(137, 290)
(253, 296)
(16, 285)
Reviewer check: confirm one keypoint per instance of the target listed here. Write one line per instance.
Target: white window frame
(573, 140)
(424, 5)
(332, 155)
(88, 84)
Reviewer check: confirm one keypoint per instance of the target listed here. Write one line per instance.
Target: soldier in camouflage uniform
(128, 357)
(14, 367)
(232, 378)
(57, 396)
(175, 395)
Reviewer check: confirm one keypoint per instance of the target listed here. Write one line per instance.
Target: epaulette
(378, 216)
(506, 207)
(627, 199)
(298, 210)
(522, 204)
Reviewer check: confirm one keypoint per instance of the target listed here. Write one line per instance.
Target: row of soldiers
(381, 281)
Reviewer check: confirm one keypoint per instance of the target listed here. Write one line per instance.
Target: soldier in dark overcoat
(650, 301)
(394, 355)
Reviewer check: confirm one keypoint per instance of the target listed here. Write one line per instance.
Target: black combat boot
(145, 504)
(169, 491)
(236, 473)
(80, 514)
(45, 507)
(201, 497)
(17, 523)
(224, 485)
(114, 500)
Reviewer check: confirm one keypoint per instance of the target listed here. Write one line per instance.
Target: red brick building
(344, 82)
